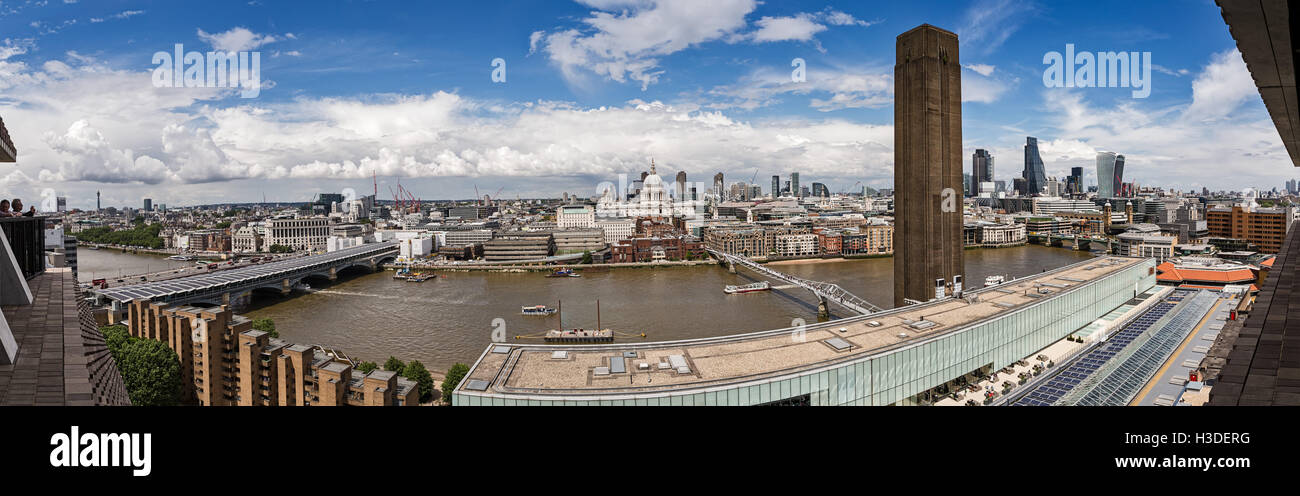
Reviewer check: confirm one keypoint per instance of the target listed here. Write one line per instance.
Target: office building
(776, 186)
(981, 170)
(927, 163)
(575, 217)
(305, 234)
(794, 185)
(1034, 174)
(1264, 227)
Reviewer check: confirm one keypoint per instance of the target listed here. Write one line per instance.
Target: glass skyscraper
(981, 169)
(1035, 176)
(1110, 174)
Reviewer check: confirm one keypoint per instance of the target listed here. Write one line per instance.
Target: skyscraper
(1075, 184)
(148, 204)
(981, 169)
(927, 163)
(776, 186)
(680, 190)
(1035, 176)
(819, 190)
(1119, 172)
(1107, 187)
(717, 185)
(794, 184)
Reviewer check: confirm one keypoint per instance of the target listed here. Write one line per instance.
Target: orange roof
(1170, 273)
(1269, 262)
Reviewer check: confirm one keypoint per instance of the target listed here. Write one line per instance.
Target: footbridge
(235, 285)
(825, 291)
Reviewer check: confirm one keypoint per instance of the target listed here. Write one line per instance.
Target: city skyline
(342, 102)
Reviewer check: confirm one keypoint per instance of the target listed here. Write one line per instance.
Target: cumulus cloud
(1221, 87)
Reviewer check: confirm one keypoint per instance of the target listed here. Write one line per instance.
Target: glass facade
(894, 376)
(1035, 175)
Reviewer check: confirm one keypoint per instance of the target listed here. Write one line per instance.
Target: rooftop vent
(476, 385)
(501, 349)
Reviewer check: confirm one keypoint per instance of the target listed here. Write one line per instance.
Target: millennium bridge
(825, 291)
(236, 285)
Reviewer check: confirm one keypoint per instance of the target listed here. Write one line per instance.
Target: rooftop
(697, 363)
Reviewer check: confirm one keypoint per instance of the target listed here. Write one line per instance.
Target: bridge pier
(731, 267)
(285, 288)
(334, 273)
(823, 309)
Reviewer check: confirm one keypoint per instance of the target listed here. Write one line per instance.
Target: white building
(796, 245)
(575, 217)
(308, 234)
(415, 247)
(336, 243)
(616, 229)
(247, 239)
(652, 200)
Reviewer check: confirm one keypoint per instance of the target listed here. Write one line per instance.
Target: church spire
(652, 166)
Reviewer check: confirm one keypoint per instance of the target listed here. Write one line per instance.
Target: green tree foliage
(394, 365)
(142, 235)
(415, 371)
(280, 249)
(267, 326)
(453, 379)
(367, 367)
(586, 257)
(150, 370)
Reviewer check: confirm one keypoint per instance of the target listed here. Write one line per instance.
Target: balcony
(26, 239)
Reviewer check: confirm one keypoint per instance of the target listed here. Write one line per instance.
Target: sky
(405, 92)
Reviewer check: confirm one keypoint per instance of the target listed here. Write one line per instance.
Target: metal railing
(828, 291)
(26, 236)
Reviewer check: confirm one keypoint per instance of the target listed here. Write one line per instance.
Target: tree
(267, 326)
(453, 379)
(280, 249)
(394, 365)
(367, 367)
(586, 257)
(415, 371)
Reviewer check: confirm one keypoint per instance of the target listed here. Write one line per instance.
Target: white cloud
(237, 39)
(801, 27)
(830, 88)
(988, 24)
(624, 40)
(983, 69)
(1221, 87)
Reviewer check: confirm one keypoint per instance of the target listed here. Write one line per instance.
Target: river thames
(450, 319)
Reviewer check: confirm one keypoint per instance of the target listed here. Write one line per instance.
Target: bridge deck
(242, 275)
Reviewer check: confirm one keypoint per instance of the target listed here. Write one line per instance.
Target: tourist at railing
(17, 206)
(4, 209)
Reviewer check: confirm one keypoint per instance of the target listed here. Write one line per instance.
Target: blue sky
(593, 89)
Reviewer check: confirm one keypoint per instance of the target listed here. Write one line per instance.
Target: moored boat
(748, 288)
(538, 310)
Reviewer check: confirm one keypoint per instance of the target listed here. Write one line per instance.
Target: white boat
(179, 258)
(748, 288)
(538, 310)
(994, 280)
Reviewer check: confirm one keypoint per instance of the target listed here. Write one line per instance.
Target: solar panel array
(1065, 381)
(1122, 384)
(239, 276)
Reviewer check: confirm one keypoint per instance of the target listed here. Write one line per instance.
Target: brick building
(224, 362)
